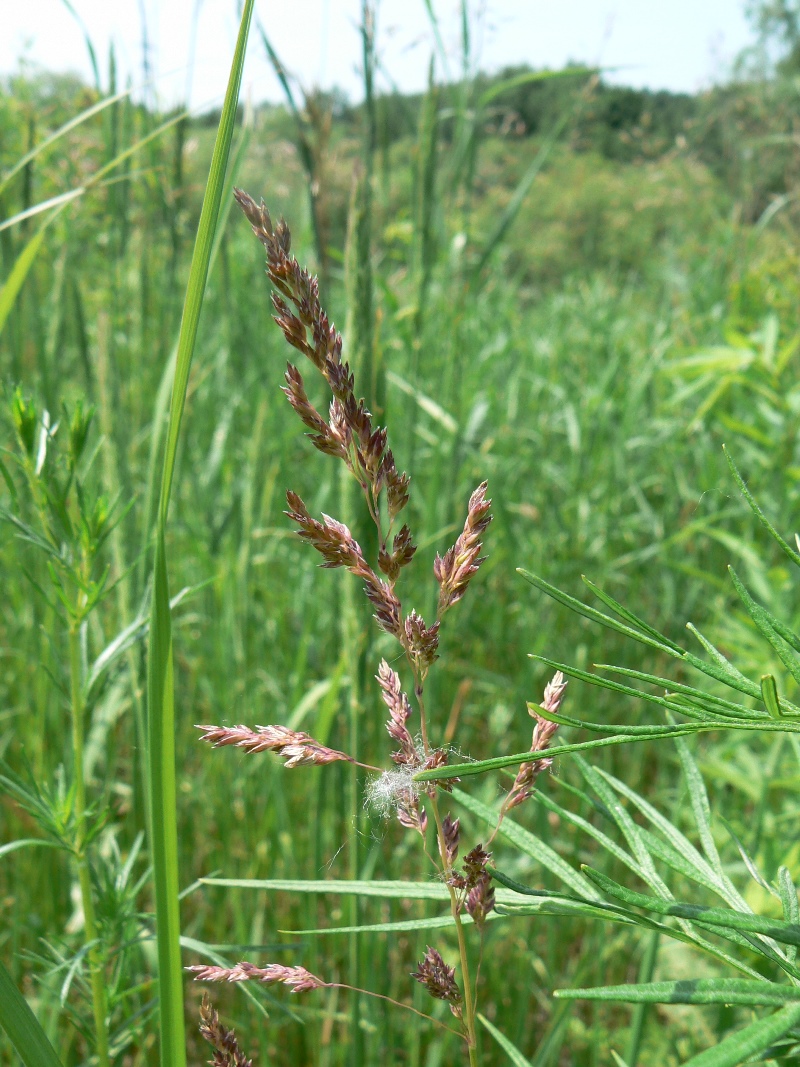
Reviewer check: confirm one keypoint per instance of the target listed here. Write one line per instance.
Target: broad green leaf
(691, 991)
(23, 1028)
(741, 1045)
(526, 842)
(510, 1049)
(160, 687)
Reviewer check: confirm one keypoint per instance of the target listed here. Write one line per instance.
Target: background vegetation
(579, 292)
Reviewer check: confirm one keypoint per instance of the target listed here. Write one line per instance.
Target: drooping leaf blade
(23, 1028)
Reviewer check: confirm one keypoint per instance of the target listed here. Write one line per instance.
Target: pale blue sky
(672, 44)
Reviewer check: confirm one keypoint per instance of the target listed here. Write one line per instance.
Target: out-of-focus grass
(559, 375)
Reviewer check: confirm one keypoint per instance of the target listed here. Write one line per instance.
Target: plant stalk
(469, 1003)
(94, 953)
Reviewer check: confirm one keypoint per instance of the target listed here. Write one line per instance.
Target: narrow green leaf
(28, 842)
(19, 272)
(438, 922)
(588, 828)
(759, 514)
(398, 890)
(510, 1050)
(652, 733)
(701, 809)
(628, 616)
(743, 1044)
(763, 621)
(691, 991)
(161, 696)
(679, 853)
(23, 1028)
(779, 930)
(791, 910)
(596, 616)
(526, 842)
(720, 668)
(710, 701)
(769, 694)
(56, 135)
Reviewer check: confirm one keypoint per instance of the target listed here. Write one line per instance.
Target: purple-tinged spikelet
(399, 713)
(454, 571)
(298, 978)
(296, 747)
(226, 1048)
(439, 980)
(542, 736)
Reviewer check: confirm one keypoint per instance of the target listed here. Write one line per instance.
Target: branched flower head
(350, 434)
(298, 978)
(439, 980)
(296, 747)
(226, 1048)
(454, 571)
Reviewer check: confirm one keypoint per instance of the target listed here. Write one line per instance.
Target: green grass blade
(596, 616)
(526, 842)
(628, 616)
(23, 1028)
(56, 135)
(510, 1050)
(464, 770)
(19, 272)
(438, 922)
(778, 929)
(759, 514)
(763, 621)
(161, 696)
(745, 1043)
(382, 890)
(690, 991)
(791, 909)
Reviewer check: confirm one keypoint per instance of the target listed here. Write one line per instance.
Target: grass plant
(639, 308)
